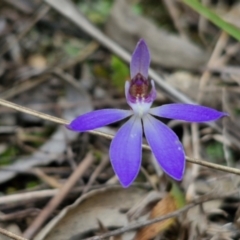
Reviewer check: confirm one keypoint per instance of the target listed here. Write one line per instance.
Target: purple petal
(140, 60)
(97, 119)
(126, 151)
(165, 146)
(187, 112)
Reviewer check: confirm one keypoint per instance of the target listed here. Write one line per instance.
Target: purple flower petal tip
(126, 151)
(178, 176)
(140, 60)
(166, 147)
(97, 119)
(143, 45)
(187, 112)
(68, 127)
(126, 182)
(225, 114)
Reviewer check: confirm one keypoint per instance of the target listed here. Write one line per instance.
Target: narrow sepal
(140, 60)
(126, 151)
(97, 119)
(187, 112)
(165, 146)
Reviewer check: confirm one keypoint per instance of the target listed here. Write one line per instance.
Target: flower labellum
(126, 146)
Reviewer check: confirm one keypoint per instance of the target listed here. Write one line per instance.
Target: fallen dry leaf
(81, 220)
(165, 206)
(172, 201)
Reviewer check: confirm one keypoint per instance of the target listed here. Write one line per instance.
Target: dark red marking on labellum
(139, 86)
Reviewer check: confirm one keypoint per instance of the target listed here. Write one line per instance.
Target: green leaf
(72, 48)
(97, 12)
(178, 195)
(120, 72)
(214, 18)
(8, 155)
(215, 151)
(32, 184)
(137, 9)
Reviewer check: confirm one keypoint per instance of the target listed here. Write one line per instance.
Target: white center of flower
(141, 108)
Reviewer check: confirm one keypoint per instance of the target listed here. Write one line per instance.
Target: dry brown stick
(34, 195)
(50, 181)
(173, 11)
(109, 136)
(213, 165)
(220, 45)
(229, 51)
(97, 171)
(148, 178)
(14, 198)
(195, 147)
(202, 25)
(29, 212)
(11, 235)
(32, 112)
(57, 199)
(131, 227)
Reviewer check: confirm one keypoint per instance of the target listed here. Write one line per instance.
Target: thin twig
(213, 165)
(202, 25)
(50, 181)
(174, 13)
(29, 212)
(59, 197)
(220, 45)
(26, 196)
(141, 224)
(32, 112)
(196, 148)
(95, 174)
(109, 136)
(11, 235)
(47, 193)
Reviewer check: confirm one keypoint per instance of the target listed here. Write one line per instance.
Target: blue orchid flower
(126, 146)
